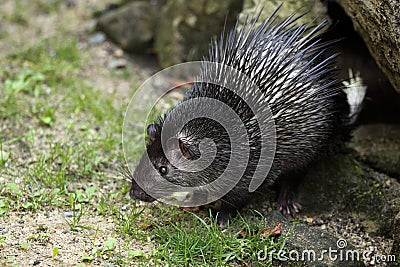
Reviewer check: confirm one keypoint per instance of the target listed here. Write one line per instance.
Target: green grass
(41, 108)
(195, 241)
(59, 133)
(19, 12)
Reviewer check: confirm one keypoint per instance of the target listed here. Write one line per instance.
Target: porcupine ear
(177, 145)
(153, 130)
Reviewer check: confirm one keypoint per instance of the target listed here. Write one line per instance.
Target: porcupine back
(288, 64)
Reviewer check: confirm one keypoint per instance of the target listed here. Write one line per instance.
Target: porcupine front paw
(287, 203)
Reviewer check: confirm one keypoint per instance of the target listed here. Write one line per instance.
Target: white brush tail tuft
(355, 91)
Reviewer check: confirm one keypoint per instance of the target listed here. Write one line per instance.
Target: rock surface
(342, 199)
(396, 238)
(185, 28)
(316, 11)
(131, 26)
(378, 23)
(303, 241)
(378, 145)
(178, 30)
(342, 185)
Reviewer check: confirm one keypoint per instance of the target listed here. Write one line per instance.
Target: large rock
(379, 146)
(186, 27)
(316, 11)
(396, 237)
(131, 26)
(378, 23)
(302, 242)
(343, 185)
(341, 197)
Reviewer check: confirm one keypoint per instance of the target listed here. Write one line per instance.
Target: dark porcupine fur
(287, 62)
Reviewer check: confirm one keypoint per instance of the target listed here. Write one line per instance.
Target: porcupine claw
(287, 204)
(289, 207)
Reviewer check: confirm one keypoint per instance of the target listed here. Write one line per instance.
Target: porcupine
(312, 110)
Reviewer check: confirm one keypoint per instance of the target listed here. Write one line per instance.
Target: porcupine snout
(136, 191)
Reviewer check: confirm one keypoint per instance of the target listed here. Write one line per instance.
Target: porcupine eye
(163, 170)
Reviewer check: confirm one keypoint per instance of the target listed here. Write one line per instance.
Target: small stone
(68, 214)
(97, 38)
(119, 53)
(116, 63)
(91, 25)
(107, 264)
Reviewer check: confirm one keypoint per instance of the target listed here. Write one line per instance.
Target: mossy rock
(396, 237)
(132, 26)
(341, 184)
(378, 145)
(185, 29)
(305, 240)
(315, 11)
